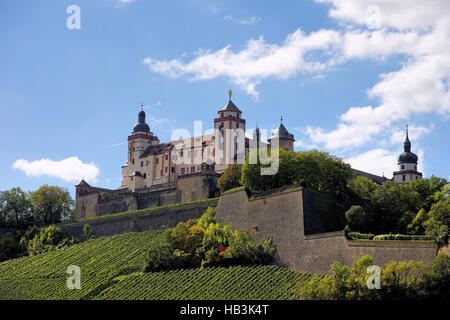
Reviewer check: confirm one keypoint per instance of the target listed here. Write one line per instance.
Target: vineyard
(111, 269)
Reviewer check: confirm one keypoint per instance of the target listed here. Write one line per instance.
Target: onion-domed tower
(139, 140)
(407, 164)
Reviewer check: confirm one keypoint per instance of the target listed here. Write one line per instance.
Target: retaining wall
(283, 217)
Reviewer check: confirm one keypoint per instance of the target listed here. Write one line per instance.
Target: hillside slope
(110, 269)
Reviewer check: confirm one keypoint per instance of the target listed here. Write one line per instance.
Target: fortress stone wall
(93, 202)
(303, 232)
(140, 221)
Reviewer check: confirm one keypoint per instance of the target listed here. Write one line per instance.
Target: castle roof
(281, 133)
(82, 183)
(156, 149)
(407, 156)
(141, 125)
(230, 106)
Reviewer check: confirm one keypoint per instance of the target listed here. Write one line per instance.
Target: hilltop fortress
(162, 173)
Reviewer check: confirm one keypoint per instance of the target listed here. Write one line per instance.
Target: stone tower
(229, 130)
(407, 164)
(139, 140)
(285, 139)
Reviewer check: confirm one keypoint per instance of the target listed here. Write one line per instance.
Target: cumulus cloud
(376, 161)
(401, 15)
(71, 169)
(258, 61)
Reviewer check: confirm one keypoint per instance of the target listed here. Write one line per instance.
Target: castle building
(151, 162)
(407, 164)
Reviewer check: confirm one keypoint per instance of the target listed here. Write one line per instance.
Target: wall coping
(324, 235)
(390, 243)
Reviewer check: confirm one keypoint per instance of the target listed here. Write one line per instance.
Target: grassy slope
(110, 269)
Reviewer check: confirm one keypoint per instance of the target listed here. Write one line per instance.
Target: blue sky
(343, 83)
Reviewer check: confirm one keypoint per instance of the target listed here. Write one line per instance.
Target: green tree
(438, 223)
(10, 247)
(52, 203)
(363, 187)
(231, 178)
(417, 224)
(15, 208)
(356, 218)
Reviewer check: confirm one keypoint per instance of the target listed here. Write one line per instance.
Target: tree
(87, 232)
(417, 224)
(15, 208)
(363, 187)
(318, 169)
(438, 223)
(52, 203)
(426, 189)
(231, 178)
(356, 217)
(10, 248)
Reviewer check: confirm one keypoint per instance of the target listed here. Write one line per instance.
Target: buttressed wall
(307, 237)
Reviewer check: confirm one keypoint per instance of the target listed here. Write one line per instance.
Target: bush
(399, 280)
(87, 232)
(230, 179)
(10, 248)
(49, 238)
(204, 242)
(360, 236)
(401, 237)
(356, 218)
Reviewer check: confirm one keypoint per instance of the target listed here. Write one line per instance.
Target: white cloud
(251, 20)
(376, 161)
(228, 17)
(401, 15)
(71, 169)
(258, 61)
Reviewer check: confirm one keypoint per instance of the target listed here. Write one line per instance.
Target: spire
(281, 119)
(142, 105)
(229, 94)
(407, 143)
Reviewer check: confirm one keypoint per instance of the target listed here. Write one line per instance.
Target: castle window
(403, 177)
(403, 166)
(166, 169)
(132, 161)
(142, 164)
(145, 175)
(173, 169)
(167, 157)
(192, 169)
(157, 160)
(182, 170)
(415, 168)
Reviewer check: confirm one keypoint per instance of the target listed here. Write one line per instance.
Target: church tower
(407, 164)
(139, 140)
(285, 139)
(229, 130)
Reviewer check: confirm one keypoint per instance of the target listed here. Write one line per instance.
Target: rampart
(305, 225)
(140, 221)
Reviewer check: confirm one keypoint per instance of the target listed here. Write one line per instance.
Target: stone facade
(92, 201)
(289, 216)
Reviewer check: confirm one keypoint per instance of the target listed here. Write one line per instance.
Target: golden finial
(142, 105)
(229, 94)
(406, 129)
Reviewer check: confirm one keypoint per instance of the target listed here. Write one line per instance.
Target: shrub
(361, 236)
(399, 280)
(87, 232)
(355, 217)
(10, 247)
(401, 237)
(49, 238)
(230, 179)
(204, 242)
